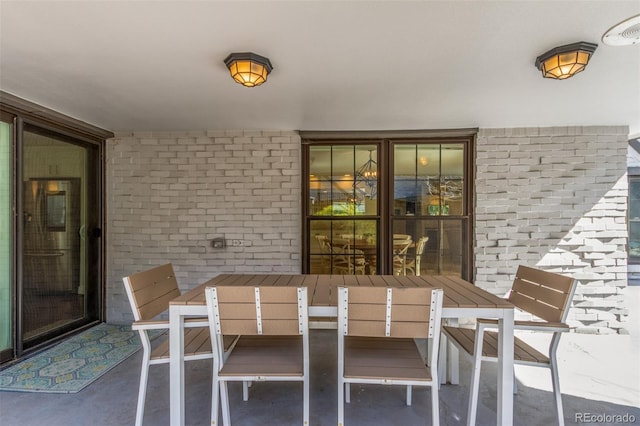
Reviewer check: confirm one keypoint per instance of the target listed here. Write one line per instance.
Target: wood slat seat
(272, 356)
(368, 358)
(545, 295)
(274, 342)
(197, 341)
(376, 331)
(522, 351)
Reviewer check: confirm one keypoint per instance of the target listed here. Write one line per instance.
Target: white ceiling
(338, 65)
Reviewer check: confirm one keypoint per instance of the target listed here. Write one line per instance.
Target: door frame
(23, 113)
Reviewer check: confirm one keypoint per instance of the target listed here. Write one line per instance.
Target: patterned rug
(73, 364)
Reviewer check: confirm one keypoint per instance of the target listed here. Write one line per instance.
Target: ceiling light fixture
(248, 69)
(565, 61)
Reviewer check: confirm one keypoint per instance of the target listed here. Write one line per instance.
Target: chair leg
(142, 390)
(475, 379)
(341, 400)
(305, 401)
(409, 395)
(224, 401)
(215, 396)
(435, 404)
(515, 382)
(556, 391)
(347, 393)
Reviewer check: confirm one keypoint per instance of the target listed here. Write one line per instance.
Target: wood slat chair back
(259, 310)
(149, 293)
(544, 294)
(377, 328)
(389, 312)
(274, 342)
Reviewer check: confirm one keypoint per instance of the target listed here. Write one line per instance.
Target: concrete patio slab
(599, 376)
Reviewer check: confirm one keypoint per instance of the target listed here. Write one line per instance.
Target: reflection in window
(428, 180)
(428, 187)
(343, 180)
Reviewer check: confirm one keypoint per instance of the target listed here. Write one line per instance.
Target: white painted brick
(576, 203)
(186, 188)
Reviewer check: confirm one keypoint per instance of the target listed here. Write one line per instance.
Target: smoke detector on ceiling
(623, 34)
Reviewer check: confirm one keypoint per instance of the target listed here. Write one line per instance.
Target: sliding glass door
(60, 235)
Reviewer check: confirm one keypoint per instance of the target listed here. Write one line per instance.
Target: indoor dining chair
(413, 265)
(149, 294)
(545, 295)
(272, 322)
(400, 251)
(376, 331)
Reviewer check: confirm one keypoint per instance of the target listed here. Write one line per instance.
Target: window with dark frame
(362, 197)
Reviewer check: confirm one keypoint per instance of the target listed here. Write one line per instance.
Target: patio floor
(599, 375)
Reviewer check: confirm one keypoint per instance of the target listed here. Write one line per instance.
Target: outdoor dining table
(461, 300)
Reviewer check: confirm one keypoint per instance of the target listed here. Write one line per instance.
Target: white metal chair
(376, 331)
(149, 294)
(272, 322)
(544, 294)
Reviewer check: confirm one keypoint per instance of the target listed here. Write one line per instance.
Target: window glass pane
(634, 241)
(342, 172)
(429, 179)
(422, 255)
(343, 246)
(343, 180)
(452, 180)
(366, 178)
(634, 220)
(406, 192)
(319, 247)
(5, 236)
(451, 247)
(320, 161)
(634, 198)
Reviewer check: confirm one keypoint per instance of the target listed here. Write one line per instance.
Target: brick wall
(555, 198)
(170, 194)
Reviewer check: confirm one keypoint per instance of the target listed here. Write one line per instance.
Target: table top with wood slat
(322, 289)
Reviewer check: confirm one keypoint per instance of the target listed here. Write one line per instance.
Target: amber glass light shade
(248, 69)
(565, 61)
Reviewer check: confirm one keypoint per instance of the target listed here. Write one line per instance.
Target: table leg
(176, 366)
(505, 369)
(453, 358)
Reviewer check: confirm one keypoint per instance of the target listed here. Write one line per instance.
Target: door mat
(73, 364)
